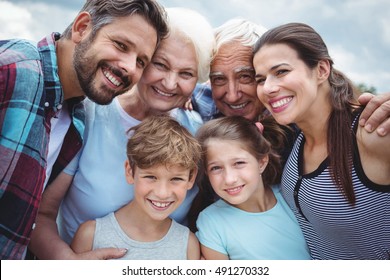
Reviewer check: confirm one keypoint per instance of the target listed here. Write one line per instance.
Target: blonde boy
(162, 165)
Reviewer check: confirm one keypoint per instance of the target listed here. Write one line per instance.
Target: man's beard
(86, 71)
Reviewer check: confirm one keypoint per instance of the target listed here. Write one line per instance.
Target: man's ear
(81, 27)
(129, 173)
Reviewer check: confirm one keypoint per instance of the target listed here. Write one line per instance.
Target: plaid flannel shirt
(30, 95)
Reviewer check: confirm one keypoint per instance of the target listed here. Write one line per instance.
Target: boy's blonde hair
(162, 140)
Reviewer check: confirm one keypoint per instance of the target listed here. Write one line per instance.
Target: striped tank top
(332, 227)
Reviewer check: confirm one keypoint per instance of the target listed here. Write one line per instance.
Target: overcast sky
(357, 32)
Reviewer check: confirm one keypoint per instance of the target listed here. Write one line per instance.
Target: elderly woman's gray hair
(199, 31)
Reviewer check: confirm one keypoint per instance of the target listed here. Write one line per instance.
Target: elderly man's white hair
(238, 30)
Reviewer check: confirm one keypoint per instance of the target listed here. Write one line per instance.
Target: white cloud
(15, 21)
(360, 68)
(357, 32)
(385, 24)
(347, 62)
(33, 20)
(344, 59)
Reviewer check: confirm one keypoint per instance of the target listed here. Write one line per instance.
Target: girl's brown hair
(245, 132)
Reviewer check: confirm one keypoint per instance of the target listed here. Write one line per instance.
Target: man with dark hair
(102, 54)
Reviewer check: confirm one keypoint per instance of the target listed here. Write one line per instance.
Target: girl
(337, 178)
(251, 220)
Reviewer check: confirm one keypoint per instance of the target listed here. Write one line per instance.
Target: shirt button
(47, 104)
(59, 106)
(33, 226)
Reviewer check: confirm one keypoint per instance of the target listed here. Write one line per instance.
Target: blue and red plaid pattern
(30, 93)
(203, 103)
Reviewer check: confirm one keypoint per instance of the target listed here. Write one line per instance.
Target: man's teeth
(281, 102)
(240, 106)
(160, 204)
(164, 93)
(111, 78)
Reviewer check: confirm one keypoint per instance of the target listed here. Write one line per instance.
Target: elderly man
(233, 87)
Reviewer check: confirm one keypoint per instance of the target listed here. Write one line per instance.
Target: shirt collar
(52, 84)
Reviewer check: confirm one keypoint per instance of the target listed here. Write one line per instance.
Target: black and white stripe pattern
(333, 228)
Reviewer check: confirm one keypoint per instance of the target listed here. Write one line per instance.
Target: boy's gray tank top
(173, 246)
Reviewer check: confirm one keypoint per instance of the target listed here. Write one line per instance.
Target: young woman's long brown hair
(311, 49)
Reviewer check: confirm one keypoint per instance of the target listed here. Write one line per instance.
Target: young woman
(337, 178)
